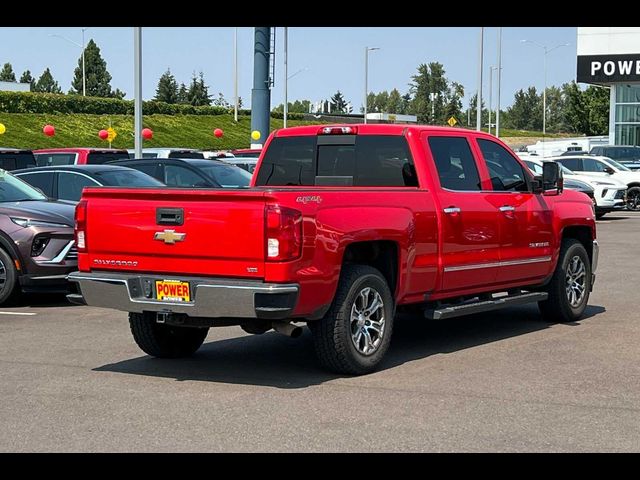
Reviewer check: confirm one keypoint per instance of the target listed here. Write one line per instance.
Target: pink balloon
(49, 130)
(103, 134)
(147, 133)
(218, 132)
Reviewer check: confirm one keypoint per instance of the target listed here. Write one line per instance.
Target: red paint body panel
(439, 255)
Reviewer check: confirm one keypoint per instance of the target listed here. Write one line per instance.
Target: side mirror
(551, 179)
(609, 170)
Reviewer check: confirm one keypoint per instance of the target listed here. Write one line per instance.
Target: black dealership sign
(608, 68)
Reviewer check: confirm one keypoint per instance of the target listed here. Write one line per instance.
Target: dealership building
(610, 57)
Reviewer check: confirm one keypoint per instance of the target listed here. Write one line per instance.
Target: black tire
(333, 338)
(165, 341)
(599, 215)
(633, 199)
(558, 307)
(8, 277)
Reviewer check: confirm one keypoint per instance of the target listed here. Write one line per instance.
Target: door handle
(507, 208)
(452, 210)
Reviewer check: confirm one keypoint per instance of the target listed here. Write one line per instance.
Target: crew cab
(342, 227)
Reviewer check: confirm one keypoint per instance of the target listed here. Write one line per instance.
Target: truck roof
(372, 129)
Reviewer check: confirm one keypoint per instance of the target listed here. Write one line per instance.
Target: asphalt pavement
(72, 379)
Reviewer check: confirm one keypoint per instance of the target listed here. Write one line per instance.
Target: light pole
(235, 75)
(366, 77)
(84, 77)
(479, 95)
(499, 68)
(491, 69)
(544, 91)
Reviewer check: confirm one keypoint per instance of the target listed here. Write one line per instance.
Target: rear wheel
(354, 335)
(165, 341)
(8, 277)
(570, 285)
(633, 198)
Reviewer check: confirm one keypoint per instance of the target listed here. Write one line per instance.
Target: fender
(7, 244)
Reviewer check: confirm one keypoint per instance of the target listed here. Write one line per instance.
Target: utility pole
(479, 96)
(137, 88)
(499, 77)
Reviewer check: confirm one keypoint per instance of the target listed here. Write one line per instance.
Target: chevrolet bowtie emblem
(169, 236)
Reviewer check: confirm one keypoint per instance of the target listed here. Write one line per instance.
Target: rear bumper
(211, 298)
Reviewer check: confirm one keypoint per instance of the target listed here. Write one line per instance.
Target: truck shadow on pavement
(276, 361)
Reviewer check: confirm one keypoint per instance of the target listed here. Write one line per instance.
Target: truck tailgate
(220, 231)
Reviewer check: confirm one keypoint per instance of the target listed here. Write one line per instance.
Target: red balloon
(49, 130)
(218, 132)
(103, 134)
(147, 133)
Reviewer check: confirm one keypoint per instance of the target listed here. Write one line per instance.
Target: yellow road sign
(112, 134)
(452, 121)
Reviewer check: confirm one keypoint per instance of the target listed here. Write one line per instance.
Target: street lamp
(491, 69)
(544, 92)
(84, 77)
(366, 77)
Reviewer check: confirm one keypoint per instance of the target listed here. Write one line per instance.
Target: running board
(484, 306)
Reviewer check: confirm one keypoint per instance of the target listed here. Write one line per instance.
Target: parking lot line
(17, 313)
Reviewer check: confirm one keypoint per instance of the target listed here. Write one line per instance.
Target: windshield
(127, 177)
(228, 176)
(619, 166)
(13, 189)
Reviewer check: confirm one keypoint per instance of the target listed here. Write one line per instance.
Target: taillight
(338, 131)
(283, 227)
(81, 225)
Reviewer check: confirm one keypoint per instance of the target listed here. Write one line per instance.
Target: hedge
(32, 102)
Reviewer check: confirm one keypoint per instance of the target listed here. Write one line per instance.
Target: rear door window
(366, 160)
(592, 165)
(454, 161)
(70, 185)
(179, 176)
(573, 164)
(98, 158)
(41, 180)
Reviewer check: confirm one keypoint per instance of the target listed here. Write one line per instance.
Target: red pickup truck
(342, 226)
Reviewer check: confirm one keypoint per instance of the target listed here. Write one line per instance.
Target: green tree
(380, 102)
(338, 103)
(6, 74)
(371, 103)
(574, 114)
(97, 77)
(27, 78)
(596, 100)
(46, 83)
(119, 94)
(526, 111)
(472, 112)
(555, 110)
(394, 102)
(183, 94)
(299, 106)
(434, 97)
(167, 89)
(198, 93)
(221, 101)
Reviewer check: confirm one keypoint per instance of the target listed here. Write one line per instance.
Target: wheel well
(380, 254)
(635, 184)
(583, 235)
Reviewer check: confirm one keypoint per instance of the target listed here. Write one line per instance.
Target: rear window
(186, 155)
(127, 177)
(13, 161)
(98, 158)
(370, 160)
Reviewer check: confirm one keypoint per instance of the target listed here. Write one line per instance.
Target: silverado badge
(169, 236)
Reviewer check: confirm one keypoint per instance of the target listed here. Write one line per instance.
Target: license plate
(172, 291)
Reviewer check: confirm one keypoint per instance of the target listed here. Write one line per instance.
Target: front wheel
(354, 335)
(633, 198)
(570, 285)
(165, 341)
(8, 277)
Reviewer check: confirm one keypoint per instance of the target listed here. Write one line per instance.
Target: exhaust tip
(286, 328)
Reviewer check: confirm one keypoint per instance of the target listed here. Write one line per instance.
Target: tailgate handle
(169, 216)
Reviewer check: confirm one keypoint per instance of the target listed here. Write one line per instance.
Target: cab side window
(454, 161)
(592, 165)
(507, 174)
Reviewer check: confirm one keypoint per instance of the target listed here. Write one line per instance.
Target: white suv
(607, 170)
(609, 194)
